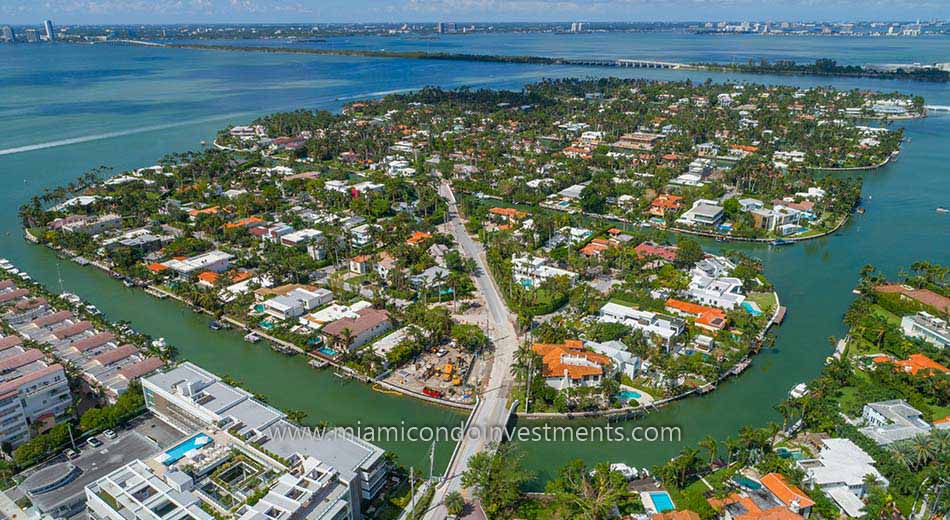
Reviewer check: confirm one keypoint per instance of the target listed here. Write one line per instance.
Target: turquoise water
(68, 108)
(627, 395)
(327, 351)
(786, 453)
(746, 482)
(175, 454)
(662, 501)
(751, 308)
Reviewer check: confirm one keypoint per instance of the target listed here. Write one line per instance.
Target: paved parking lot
(141, 439)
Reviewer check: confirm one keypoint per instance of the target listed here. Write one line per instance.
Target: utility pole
(431, 461)
(71, 439)
(412, 492)
(528, 378)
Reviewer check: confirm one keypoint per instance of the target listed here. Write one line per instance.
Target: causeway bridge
(937, 108)
(623, 63)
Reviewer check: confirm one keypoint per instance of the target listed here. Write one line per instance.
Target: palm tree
(344, 340)
(731, 446)
(922, 449)
(709, 444)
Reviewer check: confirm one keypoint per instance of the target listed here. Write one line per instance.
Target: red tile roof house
(12, 295)
(70, 332)
(709, 318)
(8, 342)
(90, 343)
(925, 296)
(646, 250)
(51, 319)
(568, 365)
(369, 324)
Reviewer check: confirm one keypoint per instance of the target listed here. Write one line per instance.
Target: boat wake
(120, 133)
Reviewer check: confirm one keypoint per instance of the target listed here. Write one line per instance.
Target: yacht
(800, 390)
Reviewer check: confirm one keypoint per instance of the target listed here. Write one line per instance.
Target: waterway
(70, 108)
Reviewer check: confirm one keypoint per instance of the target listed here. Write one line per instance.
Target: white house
(839, 471)
(891, 421)
(297, 302)
(652, 323)
(704, 212)
(724, 292)
(215, 261)
(927, 327)
(623, 361)
(530, 271)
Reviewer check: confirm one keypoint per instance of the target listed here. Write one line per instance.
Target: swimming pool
(751, 308)
(327, 351)
(628, 395)
(175, 454)
(662, 501)
(746, 482)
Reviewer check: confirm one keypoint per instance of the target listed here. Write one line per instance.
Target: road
(490, 417)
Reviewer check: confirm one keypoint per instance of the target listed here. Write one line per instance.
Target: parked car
(94, 442)
(110, 434)
(71, 453)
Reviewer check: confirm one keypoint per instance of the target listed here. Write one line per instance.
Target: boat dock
(780, 315)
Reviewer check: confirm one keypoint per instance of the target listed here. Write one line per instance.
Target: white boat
(71, 298)
(252, 338)
(628, 472)
(159, 343)
(800, 390)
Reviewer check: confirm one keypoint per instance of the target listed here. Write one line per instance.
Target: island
(333, 236)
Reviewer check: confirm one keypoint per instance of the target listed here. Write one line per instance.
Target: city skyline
(431, 11)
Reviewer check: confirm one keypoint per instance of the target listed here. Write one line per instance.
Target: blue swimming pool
(751, 308)
(175, 454)
(327, 351)
(662, 501)
(627, 395)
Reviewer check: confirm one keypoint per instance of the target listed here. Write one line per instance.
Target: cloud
(313, 11)
(177, 8)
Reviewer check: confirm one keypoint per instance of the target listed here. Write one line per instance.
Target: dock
(780, 315)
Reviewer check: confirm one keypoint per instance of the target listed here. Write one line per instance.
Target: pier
(937, 108)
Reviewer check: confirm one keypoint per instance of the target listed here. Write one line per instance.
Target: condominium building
(192, 399)
(34, 394)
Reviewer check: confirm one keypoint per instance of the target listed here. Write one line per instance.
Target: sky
(328, 11)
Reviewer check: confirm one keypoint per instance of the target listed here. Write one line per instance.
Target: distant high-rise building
(440, 28)
(31, 36)
(8, 36)
(48, 26)
(448, 27)
(577, 27)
